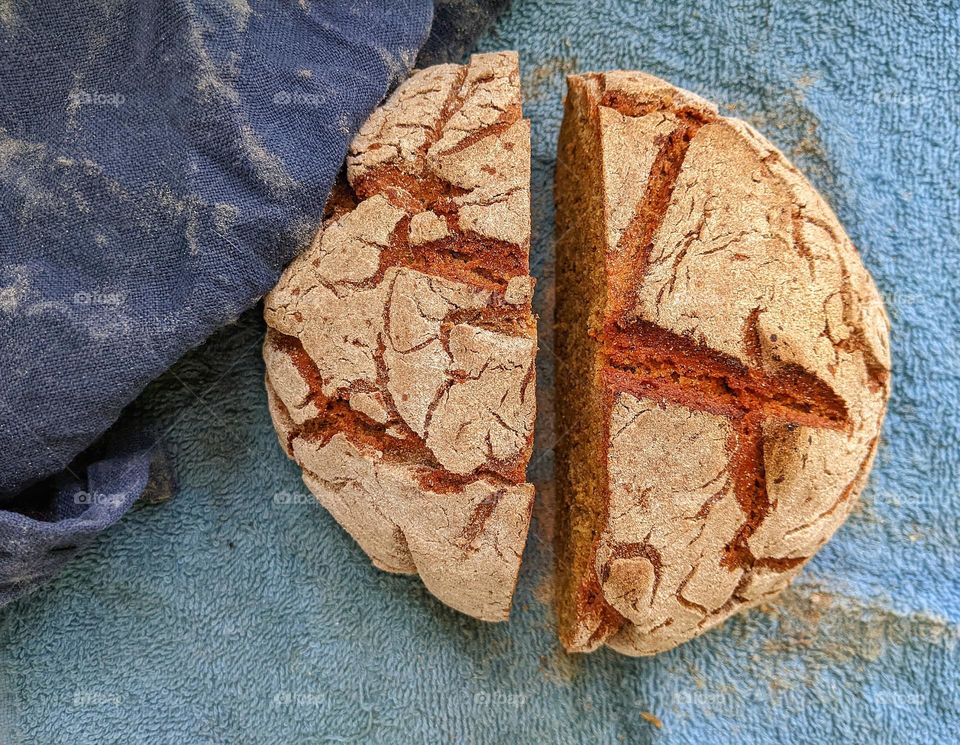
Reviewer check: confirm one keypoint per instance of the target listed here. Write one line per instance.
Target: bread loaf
(401, 345)
(726, 366)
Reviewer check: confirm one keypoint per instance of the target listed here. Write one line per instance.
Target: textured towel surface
(239, 612)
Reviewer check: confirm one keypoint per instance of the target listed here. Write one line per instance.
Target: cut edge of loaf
(581, 291)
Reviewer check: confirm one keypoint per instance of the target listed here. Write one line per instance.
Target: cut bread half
(725, 366)
(401, 345)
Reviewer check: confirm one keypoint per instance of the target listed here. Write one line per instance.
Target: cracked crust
(728, 363)
(400, 346)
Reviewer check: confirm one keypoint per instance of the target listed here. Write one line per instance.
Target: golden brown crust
(401, 345)
(739, 359)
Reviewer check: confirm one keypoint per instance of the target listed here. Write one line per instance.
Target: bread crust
(400, 347)
(738, 356)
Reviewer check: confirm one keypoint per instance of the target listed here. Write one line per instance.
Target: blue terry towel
(159, 165)
(239, 612)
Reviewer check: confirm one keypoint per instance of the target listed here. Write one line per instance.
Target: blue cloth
(239, 612)
(159, 165)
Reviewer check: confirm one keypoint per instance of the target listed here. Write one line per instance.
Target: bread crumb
(652, 718)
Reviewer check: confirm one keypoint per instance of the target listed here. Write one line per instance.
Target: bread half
(401, 345)
(725, 366)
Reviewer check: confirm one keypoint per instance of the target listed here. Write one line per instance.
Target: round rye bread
(726, 366)
(400, 347)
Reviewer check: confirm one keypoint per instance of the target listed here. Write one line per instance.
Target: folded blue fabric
(159, 165)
